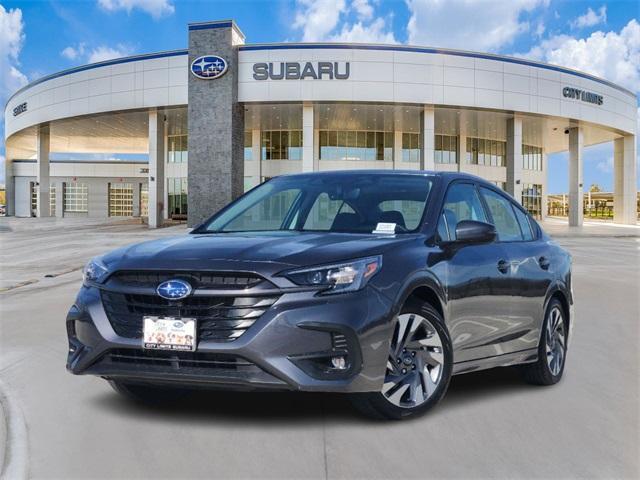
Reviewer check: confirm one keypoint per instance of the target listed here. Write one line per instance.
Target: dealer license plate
(169, 333)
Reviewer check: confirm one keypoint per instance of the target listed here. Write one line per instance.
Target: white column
(397, 149)
(625, 178)
(576, 190)
(307, 137)
(10, 189)
(256, 154)
(514, 157)
(427, 120)
(42, 171)
(156, 168)
(545, 190)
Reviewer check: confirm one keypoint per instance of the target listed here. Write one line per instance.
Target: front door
(475, 277)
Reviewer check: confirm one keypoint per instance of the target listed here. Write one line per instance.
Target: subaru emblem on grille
(174, 289)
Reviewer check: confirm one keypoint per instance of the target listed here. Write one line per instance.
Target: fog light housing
(339, 363)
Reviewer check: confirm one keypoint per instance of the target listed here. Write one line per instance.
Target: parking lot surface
(490, 424)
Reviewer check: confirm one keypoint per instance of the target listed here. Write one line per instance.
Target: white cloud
(611, 55)
(317, 19)
(605, 166)
(468, 24)
(359, 33)
(73, 52)
(11, 40)
(590, 18)
(80, 53)
(363, 9)
(11, 78)
(336, 20)
(156, 8)
(102, 53)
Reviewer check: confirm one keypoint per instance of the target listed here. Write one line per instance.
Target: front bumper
(281, 350)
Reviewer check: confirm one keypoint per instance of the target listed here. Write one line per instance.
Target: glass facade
(411, 147)
(483, 151)
(446, 150)
(52, 199)
(281, 144)
(177, 148)
(120, 199)
(76, 197)
(355, 145)
(532, 198)
(177, 197)
(531, 157)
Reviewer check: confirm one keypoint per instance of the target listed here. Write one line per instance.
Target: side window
(525, 226)
(504, 218)
(461, 203)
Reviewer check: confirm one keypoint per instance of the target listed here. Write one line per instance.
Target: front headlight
(95, 271)
(338, 278)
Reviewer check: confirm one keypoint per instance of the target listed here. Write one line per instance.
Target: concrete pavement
(490, 424)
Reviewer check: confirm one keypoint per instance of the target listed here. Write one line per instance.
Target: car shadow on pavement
(277, 407)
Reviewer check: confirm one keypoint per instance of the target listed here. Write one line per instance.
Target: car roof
(446, 176)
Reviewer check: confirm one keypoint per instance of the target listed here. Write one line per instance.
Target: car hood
(267, 253)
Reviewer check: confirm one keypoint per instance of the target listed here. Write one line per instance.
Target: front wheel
(418, 368)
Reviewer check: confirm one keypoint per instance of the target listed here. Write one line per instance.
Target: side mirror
(470, 231)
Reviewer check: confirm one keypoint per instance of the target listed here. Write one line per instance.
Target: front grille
(213, 280)
(179, 359)
(219, 318)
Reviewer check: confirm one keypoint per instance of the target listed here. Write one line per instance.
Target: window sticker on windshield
(385, 228)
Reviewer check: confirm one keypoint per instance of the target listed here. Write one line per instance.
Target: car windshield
(357, 203)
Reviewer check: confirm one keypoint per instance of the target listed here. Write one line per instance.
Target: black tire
(376, 405)
(540, 372)
(147, 394)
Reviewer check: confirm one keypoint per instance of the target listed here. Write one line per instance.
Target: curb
(14, 464)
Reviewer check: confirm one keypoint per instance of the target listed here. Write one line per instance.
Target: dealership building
(189, 130)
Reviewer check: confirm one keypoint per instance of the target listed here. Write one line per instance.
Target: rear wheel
(418, 368)
(552, 350)
(148, 394)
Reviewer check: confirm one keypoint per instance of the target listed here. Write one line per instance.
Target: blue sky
(603, 38)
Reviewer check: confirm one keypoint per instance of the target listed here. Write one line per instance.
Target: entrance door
(120, 199)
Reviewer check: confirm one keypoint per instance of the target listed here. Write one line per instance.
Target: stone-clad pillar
(576, 190)
(216, 123)
(42, 172)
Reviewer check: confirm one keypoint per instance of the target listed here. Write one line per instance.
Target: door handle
(503, 266)
(544, 263)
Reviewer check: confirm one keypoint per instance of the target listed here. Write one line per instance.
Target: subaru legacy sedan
(378, 284)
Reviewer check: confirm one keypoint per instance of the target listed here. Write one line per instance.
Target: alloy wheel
(415, 364)
(555, 341)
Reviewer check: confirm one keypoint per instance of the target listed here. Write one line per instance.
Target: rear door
(477, 306)
(529, 271)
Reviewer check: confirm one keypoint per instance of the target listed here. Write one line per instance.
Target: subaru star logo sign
(174, 289)
(209, 67)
